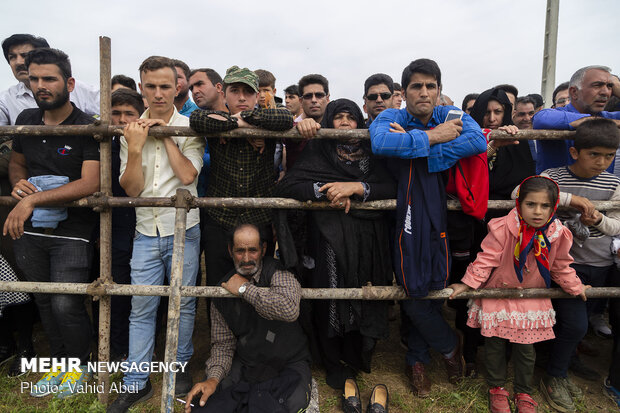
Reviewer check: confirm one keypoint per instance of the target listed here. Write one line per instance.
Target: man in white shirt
(156, 167)
(19, 97)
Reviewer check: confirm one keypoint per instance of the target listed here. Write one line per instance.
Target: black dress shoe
(379, 399)
(351, 402)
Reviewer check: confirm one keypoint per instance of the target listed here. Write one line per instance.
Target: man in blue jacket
(589, 89)
(424, 144)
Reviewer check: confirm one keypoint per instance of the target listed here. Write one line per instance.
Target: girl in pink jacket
(525, 249)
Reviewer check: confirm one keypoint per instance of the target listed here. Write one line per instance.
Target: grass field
(388, 368)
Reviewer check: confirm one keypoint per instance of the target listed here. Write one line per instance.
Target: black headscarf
(348, 234)
(513, 163)
(482, 102)
(342, 105)
(320, 161)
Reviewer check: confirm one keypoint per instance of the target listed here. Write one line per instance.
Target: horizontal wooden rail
(100, 131)
(98, 288)
(100, 201)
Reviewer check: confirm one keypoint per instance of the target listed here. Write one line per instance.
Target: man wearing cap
(240, 167)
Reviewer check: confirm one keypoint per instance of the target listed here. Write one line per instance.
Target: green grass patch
(398, 401)
(330, 403)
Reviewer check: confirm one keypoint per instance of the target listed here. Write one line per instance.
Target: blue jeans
(428, 329)
(150, 262)
(64, 316)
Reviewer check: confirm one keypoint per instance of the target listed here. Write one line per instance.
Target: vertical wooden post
(182, 200)
(549, 53)
(105, 217)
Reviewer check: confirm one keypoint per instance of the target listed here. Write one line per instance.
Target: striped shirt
(596, 250)
(278, 302)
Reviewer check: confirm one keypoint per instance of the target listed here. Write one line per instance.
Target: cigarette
(183, 401)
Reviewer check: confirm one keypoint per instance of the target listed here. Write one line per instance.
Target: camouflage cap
(245, 76)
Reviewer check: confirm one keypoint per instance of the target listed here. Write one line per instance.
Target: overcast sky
(477, 43)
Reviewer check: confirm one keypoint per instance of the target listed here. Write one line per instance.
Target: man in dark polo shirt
(54, 244)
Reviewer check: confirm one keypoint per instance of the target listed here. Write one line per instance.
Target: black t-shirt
(123, 219)
(62, 156)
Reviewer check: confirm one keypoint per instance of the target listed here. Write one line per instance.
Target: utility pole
(551, 45)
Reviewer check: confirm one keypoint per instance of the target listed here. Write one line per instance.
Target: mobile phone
(454, 114)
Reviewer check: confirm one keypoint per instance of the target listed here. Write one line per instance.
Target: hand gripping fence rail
(103, 288)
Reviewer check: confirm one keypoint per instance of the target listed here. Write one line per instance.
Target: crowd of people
(263, 343)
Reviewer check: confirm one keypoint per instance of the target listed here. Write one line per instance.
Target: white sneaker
(600, 326)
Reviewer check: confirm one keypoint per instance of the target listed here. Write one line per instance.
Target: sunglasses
(562, 100)
(375, 96)
(318, 95)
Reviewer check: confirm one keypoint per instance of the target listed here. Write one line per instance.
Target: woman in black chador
(347, 248)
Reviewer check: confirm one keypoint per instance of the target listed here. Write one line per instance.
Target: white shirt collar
(22, 89)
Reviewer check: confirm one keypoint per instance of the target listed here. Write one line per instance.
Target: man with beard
(589, 89)
(54, 244)
(378, 93)
(257, 345)
(182, 102)
(20, 96)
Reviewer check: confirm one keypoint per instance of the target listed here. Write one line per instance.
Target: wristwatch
(242, 289)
